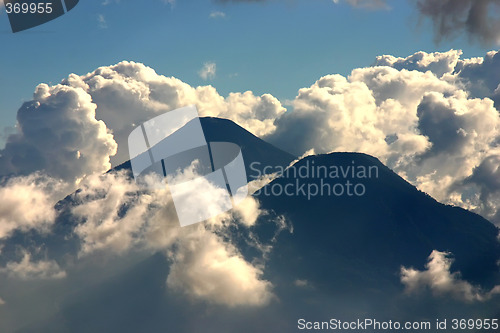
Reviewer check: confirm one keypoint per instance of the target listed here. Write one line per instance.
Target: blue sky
(274, 47)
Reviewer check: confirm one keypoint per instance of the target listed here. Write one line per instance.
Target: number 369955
(31, 8)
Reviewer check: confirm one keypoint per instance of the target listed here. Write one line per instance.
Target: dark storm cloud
(478, 18)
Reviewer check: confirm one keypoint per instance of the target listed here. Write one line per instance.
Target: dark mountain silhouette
(391, 225)
(254, 150)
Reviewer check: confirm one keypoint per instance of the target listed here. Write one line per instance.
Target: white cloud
(170, 2)
(439, 63)
(108, 2)
(128, 94)
(27, 269)
(368, 4)
(104, 226)
(247, 211)
(205, 268)
(59, 135)
(301, 283)
(28, 203)
(208, 71)
(102, 21)
(118, 215)
(438, 278)
(217, 14)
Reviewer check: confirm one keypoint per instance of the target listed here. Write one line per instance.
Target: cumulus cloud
(27, 269)
(27, 203)
(206, 268)
(128, 94)
(480, 75)
(484, 183)
(477, 18)
(438, 278)
(59, 135)
(208, 71)
(358, 113)
(439, 63)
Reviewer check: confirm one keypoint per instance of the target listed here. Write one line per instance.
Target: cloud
(206, 268)
(116, 215)
(113, 213)
(58, 135)
(484, 182)
(301, 283)
(217, 14)
(480, 75)
(208, 71)
(236, 1)
(438, 278)
(27, 269)
(128, 94)
(439, 63)
(102, 21)
(477, 18)
(368, 4)
(27, 203)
